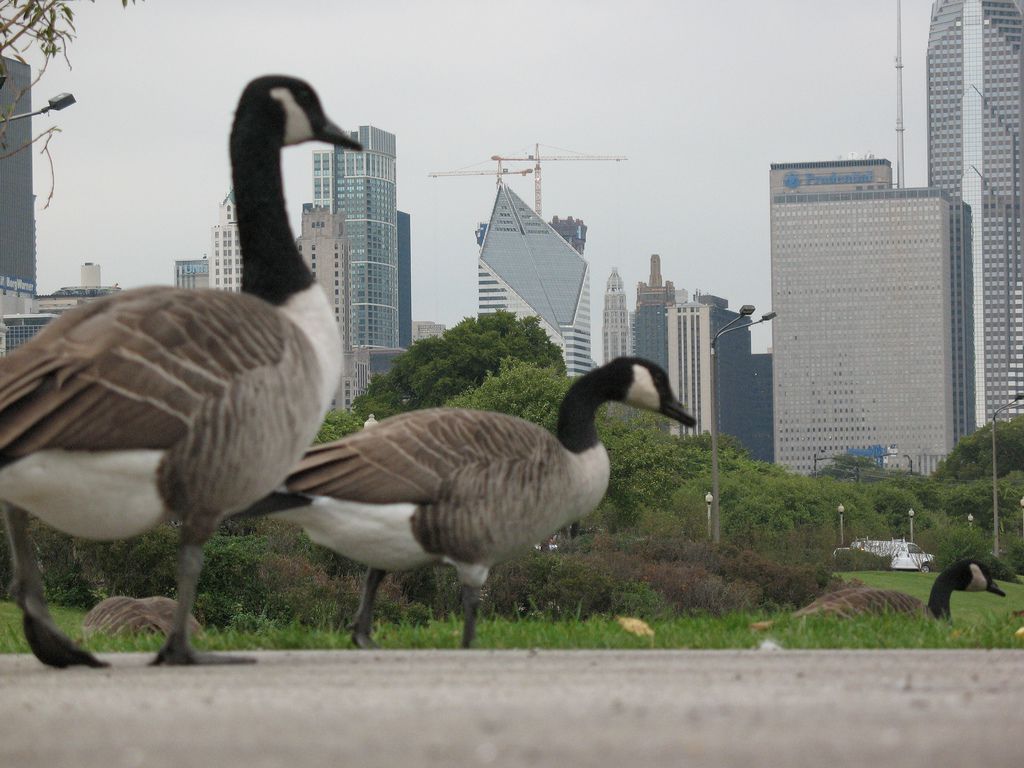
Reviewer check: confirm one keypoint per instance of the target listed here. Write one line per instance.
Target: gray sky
(700, 96)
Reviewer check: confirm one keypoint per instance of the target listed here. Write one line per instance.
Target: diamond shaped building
(527, 268)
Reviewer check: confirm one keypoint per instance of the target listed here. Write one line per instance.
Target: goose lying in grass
(468, 488)
(159, 404)
(963, 575)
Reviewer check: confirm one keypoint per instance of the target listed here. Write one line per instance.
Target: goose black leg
(48, 643)
(362, 626)
(177, 650)
(470, 602)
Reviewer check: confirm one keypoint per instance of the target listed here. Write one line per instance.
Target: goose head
(972, 576)
(292, 110)
(643, 384)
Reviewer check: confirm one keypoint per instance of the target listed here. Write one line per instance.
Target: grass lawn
(980, 621)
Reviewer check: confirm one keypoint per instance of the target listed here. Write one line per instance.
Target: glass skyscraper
(17, 216)
(527, 268)
(974, 116)
(361, 185)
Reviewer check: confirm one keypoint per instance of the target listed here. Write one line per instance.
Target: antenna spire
(899, 98)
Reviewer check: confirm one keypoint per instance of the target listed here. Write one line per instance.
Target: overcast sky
(700, 96)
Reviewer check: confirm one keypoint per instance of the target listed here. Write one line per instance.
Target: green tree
(971, 459)
(522, 389)
(336, 425)
(435, 370)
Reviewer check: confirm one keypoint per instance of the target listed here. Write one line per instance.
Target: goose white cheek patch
(978, 581)
(297, 128)
(642, 392)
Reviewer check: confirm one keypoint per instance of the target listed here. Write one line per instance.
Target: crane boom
(535, 159)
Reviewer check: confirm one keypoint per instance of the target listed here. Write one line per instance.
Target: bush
(1014, 555)
(859, 560)
(957, 543)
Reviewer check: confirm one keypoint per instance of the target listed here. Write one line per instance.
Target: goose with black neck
(463, 487)
(161, 404)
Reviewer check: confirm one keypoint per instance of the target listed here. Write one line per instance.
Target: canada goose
(160, 403)
(965, 575)
(469, 488)
(134, 614)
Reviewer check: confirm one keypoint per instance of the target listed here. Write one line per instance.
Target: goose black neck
(938, 601)
(577, 429)
(272, 267)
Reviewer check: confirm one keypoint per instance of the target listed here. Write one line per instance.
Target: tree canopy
(971, 459)
(435, 370)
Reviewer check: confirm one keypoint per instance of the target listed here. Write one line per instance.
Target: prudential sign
(795, 180)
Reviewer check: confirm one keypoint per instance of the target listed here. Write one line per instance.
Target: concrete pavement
(512, 708)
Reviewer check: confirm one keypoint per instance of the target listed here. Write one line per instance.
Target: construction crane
(535, 159)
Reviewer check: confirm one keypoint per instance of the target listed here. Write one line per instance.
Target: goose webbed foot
(48, 643)
(178, 652)
(53, 647)
(363, 640)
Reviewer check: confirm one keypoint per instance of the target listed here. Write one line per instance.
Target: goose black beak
(994, 589)
(676, 410)
(332, 134)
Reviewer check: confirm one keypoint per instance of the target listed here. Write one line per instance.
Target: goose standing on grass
(468, 488)
(161, 404)
(964, 575)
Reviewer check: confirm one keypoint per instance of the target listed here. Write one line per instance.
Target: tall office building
(650, 320)
(17, 216)
(226, 271)
(573, 231)
(618, 341)
(361, 185)
(325, 249)
(404, 280)
(974, 122)
(862, 345)
(526, 268)
(744, 409)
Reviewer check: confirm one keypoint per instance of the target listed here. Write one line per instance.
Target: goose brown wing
(411, 457)
(134, 370)
(854, 601)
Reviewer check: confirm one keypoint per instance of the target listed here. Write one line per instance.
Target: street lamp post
(745, 311)
(842, 539)
(995, 489)
(709, 498)
(57, 103)
(910, 514)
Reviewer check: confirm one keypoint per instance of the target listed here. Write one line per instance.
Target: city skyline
(683, 152)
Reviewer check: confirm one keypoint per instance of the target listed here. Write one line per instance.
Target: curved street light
(56, 103)
(745, 311)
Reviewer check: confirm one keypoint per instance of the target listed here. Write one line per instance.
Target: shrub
(859, 560)
(957, 542)
(1014, 555)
